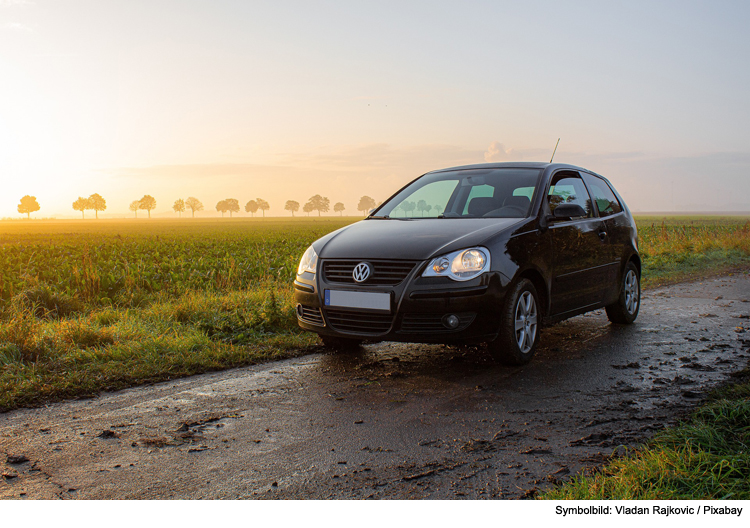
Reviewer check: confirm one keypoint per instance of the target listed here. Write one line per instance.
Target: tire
(625, 310)
(520, 322)
(340, 343)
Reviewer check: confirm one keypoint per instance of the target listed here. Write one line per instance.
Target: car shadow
(562, 347)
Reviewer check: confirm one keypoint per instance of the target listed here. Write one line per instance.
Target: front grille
(359, 322)
(432, 323)
(310, 315)
(384, 272)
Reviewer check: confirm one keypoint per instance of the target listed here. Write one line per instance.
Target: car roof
(513, 164)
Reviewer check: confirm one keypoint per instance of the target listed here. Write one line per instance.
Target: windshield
(471, 193)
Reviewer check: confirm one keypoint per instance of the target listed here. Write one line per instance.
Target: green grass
(122, 262)
(92, 305)
(46, 359)
(676, 248)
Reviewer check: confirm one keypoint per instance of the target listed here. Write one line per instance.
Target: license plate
(355, 299)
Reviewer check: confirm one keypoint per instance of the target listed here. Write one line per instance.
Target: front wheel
(519, 326)
(625, 310)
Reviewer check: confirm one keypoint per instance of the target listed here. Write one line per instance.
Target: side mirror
(568, 211)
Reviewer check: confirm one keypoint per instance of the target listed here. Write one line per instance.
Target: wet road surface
(392, 420)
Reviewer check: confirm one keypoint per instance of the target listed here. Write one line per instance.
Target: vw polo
(475, 254)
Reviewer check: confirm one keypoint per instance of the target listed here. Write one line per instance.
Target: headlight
(309, 262)
(460, 265)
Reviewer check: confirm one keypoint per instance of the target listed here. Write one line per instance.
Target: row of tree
(96, 203)
(315, 203)
(180, 205)
(148, 203)
(232, 205)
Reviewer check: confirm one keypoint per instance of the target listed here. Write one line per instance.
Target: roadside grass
(93, 306)
(677, 248)
(706, 457)
(49, 359)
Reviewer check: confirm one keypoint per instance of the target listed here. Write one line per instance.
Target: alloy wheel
(526, 322)
(632, 293)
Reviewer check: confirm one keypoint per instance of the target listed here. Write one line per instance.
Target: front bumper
(420, 309)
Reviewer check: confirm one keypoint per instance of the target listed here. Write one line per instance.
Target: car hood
(409, 239)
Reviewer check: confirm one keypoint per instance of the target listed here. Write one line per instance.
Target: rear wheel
(519, 326)
(625, 310)
(340, 343)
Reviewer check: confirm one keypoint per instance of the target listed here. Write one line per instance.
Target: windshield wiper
(386, 217)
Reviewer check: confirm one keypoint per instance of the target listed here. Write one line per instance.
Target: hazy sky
(282, 100)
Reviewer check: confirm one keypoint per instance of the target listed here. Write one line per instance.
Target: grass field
(675, 248)
(87, 306)
(91, 306)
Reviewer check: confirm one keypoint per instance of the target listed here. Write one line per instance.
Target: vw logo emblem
(361, 272)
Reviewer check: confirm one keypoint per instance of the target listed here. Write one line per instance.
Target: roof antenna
(553, 152)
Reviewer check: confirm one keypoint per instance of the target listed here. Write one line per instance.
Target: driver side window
(569, 188)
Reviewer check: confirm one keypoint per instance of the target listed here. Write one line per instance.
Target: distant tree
(28, 205)
(307, 208)
(194, 204)
(421, 206)
(81, 205)
(179, 206)
(251, 207)
(97, 203)
(134, 206)
(262, 205)
(222, 207)
(339, 208)
(148, 203)
(319, 203)
(292, 206)
(365, 204)
(428, 208)
(233, 206)
(409, 206)
(439, 208)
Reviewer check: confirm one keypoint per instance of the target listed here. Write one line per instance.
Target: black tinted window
(569, 189)
(605, 200)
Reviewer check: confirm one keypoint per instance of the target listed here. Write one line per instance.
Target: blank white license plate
(354, 299)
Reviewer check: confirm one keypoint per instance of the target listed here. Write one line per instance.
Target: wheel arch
(635, 258)
(540, 284)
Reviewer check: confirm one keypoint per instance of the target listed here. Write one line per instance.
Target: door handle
(602, 234)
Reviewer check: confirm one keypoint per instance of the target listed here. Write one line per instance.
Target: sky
(282, 100)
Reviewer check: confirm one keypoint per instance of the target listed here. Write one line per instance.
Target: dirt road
(393, 420)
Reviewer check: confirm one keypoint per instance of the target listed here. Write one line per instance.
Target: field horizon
(163, 217)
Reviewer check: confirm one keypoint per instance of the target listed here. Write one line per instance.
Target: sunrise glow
(242, 100)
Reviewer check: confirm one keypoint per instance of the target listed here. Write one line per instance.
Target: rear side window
(605, 200)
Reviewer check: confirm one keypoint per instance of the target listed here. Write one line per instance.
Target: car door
(616, 225)
(580, 247)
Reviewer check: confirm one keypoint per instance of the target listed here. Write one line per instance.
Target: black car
(475, 254)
